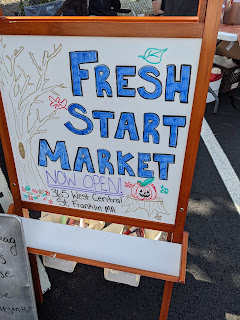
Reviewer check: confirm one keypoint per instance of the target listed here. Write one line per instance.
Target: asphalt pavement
(211, 291)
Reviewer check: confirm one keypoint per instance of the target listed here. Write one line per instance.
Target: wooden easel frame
(205, 26)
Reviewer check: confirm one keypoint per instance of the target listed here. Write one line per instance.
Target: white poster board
(100, 124)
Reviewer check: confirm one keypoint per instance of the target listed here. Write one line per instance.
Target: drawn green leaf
(146, 182)
(153, 55)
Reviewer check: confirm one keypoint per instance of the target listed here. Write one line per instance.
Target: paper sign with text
(100, 124)
(17, 301)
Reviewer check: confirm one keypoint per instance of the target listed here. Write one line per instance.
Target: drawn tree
(23, 105)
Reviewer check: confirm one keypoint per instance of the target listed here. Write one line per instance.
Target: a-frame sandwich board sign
(101, 119)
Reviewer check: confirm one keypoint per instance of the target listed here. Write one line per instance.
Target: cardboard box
(60, 264)
(229, 49)
(130, 279)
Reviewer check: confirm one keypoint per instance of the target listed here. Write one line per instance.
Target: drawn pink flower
(23, 189)
(45, 198)
(35, 190)
(47, 193)
(57, 103)
(50, 201)
(30, 197)
(128, 185)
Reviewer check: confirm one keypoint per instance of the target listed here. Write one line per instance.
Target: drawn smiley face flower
(144, 190)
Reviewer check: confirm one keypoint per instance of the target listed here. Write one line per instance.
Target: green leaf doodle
(146, 182)
(153, 55)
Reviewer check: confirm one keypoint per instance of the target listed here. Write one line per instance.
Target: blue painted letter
(103, 161)
(163, 162)
(151, 121)
(72, 110)
(59, 152)
(127, 122)
(173, 86)
(103, 116)
(142, 166)
(76, 58)
(101, 74)
(144, 74)
(174, 123)
(83, 156)
(122, 163)
(122, 90)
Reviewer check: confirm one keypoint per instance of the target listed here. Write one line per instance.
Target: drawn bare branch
(42, 70)
(22, 92)
(39, 123)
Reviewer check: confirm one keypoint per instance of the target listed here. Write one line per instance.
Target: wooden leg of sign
(35, 277)
(167, 293)
(169, 236)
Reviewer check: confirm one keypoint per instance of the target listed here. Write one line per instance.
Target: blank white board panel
(156, 256)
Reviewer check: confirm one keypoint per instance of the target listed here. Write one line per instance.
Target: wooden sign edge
(204, 72)
(102, 27)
